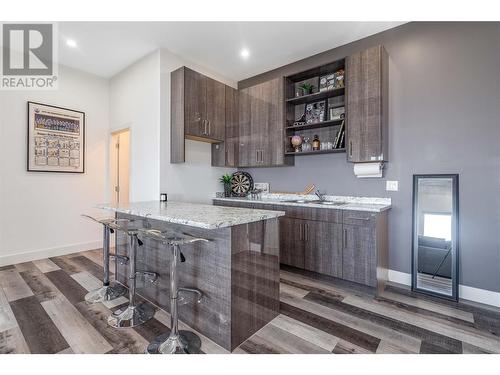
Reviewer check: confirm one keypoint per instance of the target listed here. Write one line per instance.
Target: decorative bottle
(316, 143)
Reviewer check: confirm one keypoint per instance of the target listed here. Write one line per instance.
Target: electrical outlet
(391, 185)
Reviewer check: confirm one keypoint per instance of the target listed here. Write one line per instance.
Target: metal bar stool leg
(134, 314)
(109, 291)
(176, 342)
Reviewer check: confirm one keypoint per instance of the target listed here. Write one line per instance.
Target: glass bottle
(316, 143)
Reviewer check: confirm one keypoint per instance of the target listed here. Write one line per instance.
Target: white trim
(29, 256)
(487, 297)
(399, 277)
(469, 293)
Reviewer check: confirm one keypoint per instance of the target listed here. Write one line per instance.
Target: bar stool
(135, 313)
(109, 290)
(175, 342)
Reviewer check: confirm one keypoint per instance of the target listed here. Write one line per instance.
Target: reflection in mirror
(435, 245)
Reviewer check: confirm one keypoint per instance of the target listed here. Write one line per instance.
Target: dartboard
(241, 183)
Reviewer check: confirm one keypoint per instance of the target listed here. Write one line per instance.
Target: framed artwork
(56, 139)
(327, 82)
(337, 113)
(315, 112)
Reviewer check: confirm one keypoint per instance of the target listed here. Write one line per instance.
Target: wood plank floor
(42, 310)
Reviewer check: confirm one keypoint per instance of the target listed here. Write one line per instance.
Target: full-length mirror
(435, 235)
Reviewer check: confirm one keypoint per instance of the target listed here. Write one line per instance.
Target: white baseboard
(29, 256)
(400, 277)
(487, 297)
(469, 293)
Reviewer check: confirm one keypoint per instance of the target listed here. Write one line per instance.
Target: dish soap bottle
(316, 143)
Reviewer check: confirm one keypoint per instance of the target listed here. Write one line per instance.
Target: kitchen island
(237, 270)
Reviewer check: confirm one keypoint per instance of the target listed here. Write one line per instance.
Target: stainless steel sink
(300, 201)
(326, 203)
(330, 203)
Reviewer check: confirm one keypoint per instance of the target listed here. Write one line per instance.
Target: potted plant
(226, 180)
(306, 88)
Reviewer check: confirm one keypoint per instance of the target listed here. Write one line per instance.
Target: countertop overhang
(197, 215)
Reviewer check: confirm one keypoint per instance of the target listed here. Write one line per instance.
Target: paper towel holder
(369, 170)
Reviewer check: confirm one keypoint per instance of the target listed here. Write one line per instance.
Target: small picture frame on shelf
(327, 82)
(315, 112)
(339, 79)
(337, 113)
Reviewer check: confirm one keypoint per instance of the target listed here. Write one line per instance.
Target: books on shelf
(339, 139)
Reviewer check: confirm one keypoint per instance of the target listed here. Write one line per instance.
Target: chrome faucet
(320, 195)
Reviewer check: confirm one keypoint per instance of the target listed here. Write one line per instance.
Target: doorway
(119, 158)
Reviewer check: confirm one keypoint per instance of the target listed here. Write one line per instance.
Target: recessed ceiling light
(245, 53)
(71, 43)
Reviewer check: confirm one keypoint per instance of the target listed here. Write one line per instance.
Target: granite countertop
(352, 203)
(193, 214)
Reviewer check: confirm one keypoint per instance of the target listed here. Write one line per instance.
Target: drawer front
(317, 214)
(359, 217)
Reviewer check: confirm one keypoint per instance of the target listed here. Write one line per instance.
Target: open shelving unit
(295, 105)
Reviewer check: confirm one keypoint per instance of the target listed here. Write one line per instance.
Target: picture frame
(339, 81)
(336, 113)
(315, 112)
(55, 139)
(327, 82)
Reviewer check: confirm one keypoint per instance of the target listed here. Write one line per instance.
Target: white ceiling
(105, 48)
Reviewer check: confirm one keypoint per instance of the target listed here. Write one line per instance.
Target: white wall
(195, 180)
(40, 212)
(134, 100)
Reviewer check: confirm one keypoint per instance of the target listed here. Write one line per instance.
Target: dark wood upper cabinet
(195, 103)
(367, 105)
(261, 125)
(216, 109)
(232, 127)
(247, 152)
(197, 110)
(225, 154)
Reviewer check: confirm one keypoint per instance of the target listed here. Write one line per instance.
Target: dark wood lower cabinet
(292, 242)
(359, 263)
(323, 247)
(347, 244)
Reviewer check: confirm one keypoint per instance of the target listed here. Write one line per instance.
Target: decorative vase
(296, 141)
(307, 91)
(227, 190)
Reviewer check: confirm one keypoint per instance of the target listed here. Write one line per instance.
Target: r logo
(27, 49)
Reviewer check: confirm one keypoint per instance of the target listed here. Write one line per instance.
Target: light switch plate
(391, 186)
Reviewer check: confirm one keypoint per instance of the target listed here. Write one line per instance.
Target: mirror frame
(454, 237)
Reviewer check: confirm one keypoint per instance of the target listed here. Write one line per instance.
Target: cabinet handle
(345, 238)
(350, 148)
(301, 229)
(262, 156)
(204, 127)
(208, 127)
(358, 218)
(306, 232)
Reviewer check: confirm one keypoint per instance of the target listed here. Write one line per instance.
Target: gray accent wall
(444, 117)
